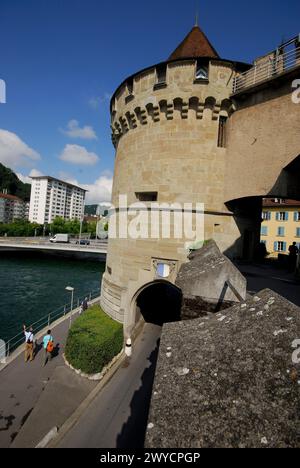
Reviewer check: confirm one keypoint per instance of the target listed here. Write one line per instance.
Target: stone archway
(159, 302)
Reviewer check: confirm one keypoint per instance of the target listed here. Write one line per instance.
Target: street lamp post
(71, 290)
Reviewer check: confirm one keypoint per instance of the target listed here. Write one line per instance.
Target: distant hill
(90, 210)
(14, 186)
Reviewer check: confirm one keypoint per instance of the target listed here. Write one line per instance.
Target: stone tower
(169, 129)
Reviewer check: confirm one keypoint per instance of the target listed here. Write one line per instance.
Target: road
(43, 244)
(117, 418)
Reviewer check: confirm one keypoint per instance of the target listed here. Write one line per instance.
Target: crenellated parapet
(185, 89)
(193, 108)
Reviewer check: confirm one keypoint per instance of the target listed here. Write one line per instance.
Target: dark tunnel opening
(160, 303)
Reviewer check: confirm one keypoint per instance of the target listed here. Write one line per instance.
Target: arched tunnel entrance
(159, 303)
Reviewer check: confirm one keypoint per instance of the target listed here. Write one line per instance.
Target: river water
(33, 285)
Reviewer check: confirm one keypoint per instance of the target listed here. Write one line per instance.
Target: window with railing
(280, 246)
(282, 216)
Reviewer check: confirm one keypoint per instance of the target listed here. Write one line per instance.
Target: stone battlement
(164, 91)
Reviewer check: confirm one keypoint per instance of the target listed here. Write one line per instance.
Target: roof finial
(197, 14)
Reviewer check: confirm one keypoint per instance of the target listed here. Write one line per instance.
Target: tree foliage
(21, 228)
(10, 182)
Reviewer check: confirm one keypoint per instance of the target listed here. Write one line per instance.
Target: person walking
(293, 251)
(85, 304)
(48, 344)
(29, 343)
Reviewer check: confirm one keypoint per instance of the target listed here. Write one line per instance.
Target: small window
(266, 215)
(282, 216)
(161, 73)
(130, 86)
(281, 232)
(264, 231)
(222, 132)
(297, 216)
(298, 232)
(201, 72)
(130, 96)
(147, 196)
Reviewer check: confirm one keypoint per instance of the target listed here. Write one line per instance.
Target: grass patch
(93, 341)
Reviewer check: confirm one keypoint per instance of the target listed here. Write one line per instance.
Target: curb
(100, 375)
(69, 423)
(47, 439)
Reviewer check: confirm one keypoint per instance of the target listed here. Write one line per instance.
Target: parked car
(60, 239)
(83, 242)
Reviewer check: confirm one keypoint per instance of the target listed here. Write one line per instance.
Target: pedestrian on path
(29, 341)
(85, 304)
(293, 254)
(48, 343)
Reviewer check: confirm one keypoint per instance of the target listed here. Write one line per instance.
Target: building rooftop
(58, 180)
(279, 203)
(10, 197)
(195, 44)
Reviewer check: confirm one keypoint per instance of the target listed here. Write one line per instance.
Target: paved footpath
(21, 385)
(117, 417)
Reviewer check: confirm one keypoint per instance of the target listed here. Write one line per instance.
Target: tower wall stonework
(166, 140)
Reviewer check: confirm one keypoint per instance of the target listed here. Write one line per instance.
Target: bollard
(128, 348)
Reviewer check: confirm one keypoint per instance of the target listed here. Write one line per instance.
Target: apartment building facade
(281, 225)
(51, 198)
(12, 208)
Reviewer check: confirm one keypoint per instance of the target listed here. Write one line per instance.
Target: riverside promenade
(22, 384)
(111, 413)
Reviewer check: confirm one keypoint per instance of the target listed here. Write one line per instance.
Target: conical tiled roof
(195, 44)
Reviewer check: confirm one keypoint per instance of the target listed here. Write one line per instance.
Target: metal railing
(269, 67)
(7, 348)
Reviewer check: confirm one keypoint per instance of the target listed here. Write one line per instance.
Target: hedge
(93, 341)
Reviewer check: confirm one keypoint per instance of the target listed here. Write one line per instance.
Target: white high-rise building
(52, 197)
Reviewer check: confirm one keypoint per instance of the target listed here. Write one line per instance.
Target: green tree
(10, 182)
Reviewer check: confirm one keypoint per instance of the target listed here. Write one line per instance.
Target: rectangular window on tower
(147, 196)
(222, 140)
(130, 96)
(161, 77)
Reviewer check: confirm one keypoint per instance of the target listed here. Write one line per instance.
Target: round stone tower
(169, 127)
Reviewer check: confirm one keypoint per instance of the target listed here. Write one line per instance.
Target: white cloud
(27, 179)
(98, 192)
(15, 152)
(75, 154)
(74, 131)
(96, 102)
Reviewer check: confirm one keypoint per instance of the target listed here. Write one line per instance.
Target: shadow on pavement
(134, 430)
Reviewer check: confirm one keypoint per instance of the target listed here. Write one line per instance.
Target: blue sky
(63, 59)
